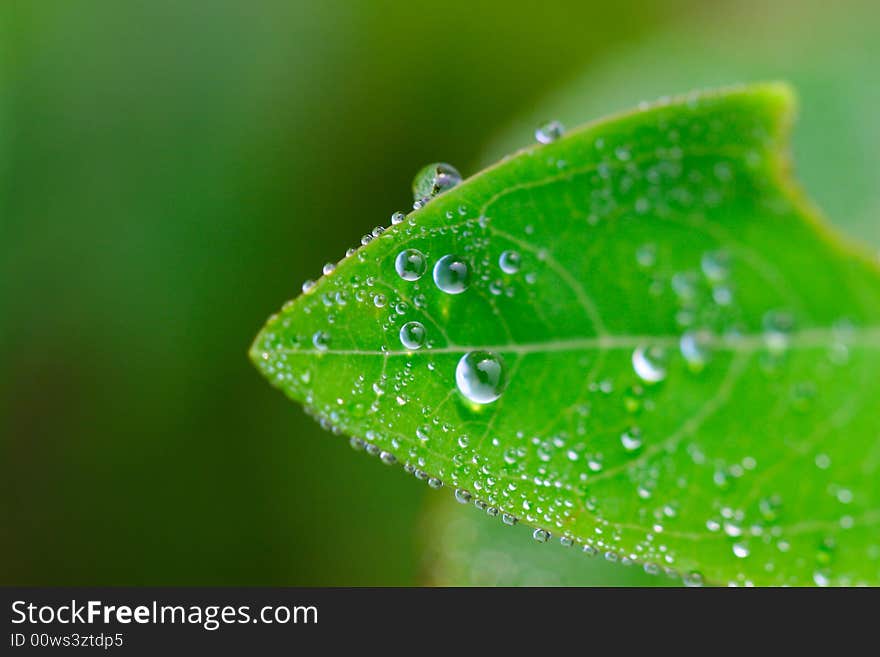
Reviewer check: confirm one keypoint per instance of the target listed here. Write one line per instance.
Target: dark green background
(170, 172)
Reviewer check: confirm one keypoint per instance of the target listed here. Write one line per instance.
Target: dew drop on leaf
(434, 179)
(695, 348)
(410, 264)
(715, 265)
(646, 255)
(510, 261)
(649, 363)
(481, 376)
(451, 274)
(549, 132)
(412, 335)
(631, 439)
(321, 340)
(541, 535)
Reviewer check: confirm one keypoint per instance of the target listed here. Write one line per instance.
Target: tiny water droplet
(451, 274)
(410, 264)
(649, 363)
(328, 268)
(695, 348)
(321, 340)
(715, 265)
(481, 376)
(541, 535)
(308, 286)
(740, 550)
(778, 325)
(646, 255)
(549, 132)
(631, 439)
(462, 496)
(693, 579)
(398, 218)
(412, 335)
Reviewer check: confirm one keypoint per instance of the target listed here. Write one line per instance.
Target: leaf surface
(671, 359)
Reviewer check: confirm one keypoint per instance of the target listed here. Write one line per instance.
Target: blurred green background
(170, 172)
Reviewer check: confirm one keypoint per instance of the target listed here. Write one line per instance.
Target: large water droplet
(410, 264)
(510, 261)
(649, 363)
(412, 335)
(481, 376)
(549, 132)
(451, 274)
(434, 179)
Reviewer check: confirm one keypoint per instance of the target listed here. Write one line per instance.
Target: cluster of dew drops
(481, 376)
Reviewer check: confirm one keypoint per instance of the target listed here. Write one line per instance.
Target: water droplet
(321, 340)
(410, 264)
(740, 550)
(451, 274)
(387, 458)
(510, 261)
(379, 300)
(541, 535)
(650, 363)
(549, 132)
(412, 335)
(646, 255)
(434, 179)
(715, 265)
(693, 579)
(328, 268)
(822, 578)
(462, 496)
(778, 325)
(631, 439)
(398, 218)
(508, 519)
(435, 483)
(308, 286)
(695, 348)
(481, 376)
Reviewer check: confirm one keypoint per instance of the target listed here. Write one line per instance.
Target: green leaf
(686, 356)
